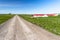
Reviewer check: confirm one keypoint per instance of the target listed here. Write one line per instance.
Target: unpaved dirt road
(19, 29)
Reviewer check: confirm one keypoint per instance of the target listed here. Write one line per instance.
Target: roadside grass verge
(5, 17)
(51, 24)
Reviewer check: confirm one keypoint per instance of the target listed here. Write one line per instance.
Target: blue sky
(29, 6)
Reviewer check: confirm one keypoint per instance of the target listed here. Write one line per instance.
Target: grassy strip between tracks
(5, 17)
(51, 24)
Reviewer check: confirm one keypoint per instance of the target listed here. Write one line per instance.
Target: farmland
(4, 17)
(51, 24)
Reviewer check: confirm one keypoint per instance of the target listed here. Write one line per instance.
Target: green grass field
(51, 24)
(5, 17)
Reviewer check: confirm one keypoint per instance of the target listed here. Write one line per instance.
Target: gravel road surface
(19, 29)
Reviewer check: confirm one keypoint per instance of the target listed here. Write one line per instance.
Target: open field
(4, 17)
(17, 28)
(51, 24)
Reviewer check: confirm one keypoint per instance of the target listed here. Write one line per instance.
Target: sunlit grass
(51, 24)
(5, 17)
